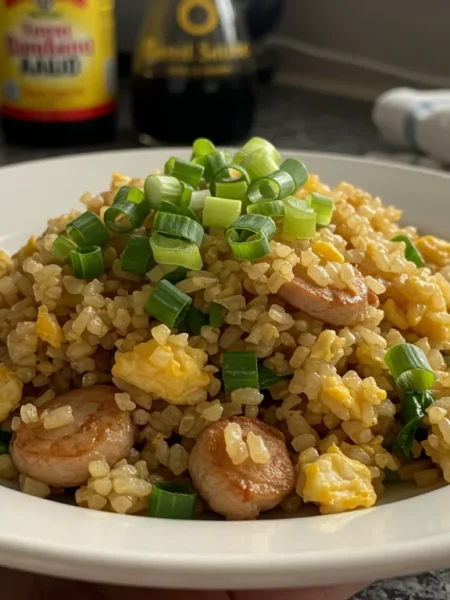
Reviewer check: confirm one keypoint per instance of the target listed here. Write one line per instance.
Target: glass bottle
(193, 73)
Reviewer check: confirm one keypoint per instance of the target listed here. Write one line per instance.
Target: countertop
(298, 119)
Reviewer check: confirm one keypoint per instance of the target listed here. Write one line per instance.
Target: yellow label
(58, 59)
(210, 19)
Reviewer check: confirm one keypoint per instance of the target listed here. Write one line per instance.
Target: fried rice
(333, 413)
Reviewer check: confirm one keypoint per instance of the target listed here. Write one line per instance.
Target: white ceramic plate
(401, 536)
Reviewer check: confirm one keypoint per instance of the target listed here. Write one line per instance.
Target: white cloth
(416, 120)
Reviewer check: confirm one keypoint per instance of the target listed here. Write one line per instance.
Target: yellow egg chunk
(170, 372)
(48, 329)
(338, 483)
(10, 391)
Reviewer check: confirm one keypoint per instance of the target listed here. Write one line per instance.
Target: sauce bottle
(193, 73)
(57, 71)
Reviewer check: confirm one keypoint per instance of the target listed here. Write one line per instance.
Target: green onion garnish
(267, 378)
(198, 199)
(5, 440)
(87, 230)
(409, 367)
(195, 320)
(257, 143)
(168, 207)
(216, 315)
(299, 220)
(202, 147)
(172, 251)
(233, 190)
(239, 370)
(128, 211)
(413, 411)
(391, 477)
(259, 164)
(221, 212)
(171, 501)
(186, 194)
(176, 275)
(411, 252)
(185, 171)
(249, 236)
(296, 170)
(218, 161)
(274, 209)
(323, 206)
(178, 226)
(62, 247)
(167, 304)
(137, 255)
(277, 186)
(162, 187)
(87, 262)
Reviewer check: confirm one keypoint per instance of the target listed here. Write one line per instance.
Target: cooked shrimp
(333, 306)
(60, 457)
(241, 491)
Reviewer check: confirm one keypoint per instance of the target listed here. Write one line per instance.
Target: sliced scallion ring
(218, 161)
(323, 206)
(172, 251)
(176, 274)
(198, 199)
(202, 147)
(216, 315)
(258, 143)
(233, 190)
(128, 211)
(168, 207)
(267, 378)
(411, 252)
(259, 164)
(137, 255)
(239, 370)
(167, 304)
(195, 320)
(296, 170)
(87, 230)
(410, 368)
(162, 187)
(221, 212)
(249, 236)
(299, 220)
(87, 262)
(185, 171)
(276, 186)
(62, 247)
(171, 501)
(274, 209)
(178, 226)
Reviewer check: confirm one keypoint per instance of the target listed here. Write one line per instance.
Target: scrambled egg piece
(338, 483)
(48, 329)
(170, 372)
(10, 392)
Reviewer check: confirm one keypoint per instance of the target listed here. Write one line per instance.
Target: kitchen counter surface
(297, 119)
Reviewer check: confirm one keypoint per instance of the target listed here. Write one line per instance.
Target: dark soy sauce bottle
(193, 73)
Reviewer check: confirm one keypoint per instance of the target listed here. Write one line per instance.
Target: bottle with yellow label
(193, 73)
(57, 71)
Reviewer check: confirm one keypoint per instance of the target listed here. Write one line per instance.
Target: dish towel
(416, 121)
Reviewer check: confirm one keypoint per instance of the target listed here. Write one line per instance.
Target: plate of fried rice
(224, 368)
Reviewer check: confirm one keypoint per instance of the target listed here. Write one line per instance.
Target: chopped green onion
(257, 143)
(167, 304)
(202, 147)
(274, 208)
(218, 161)
(239, 370)
(216, 315)
(128, 211)
(277, 186)
(249, 236)
(172, 251)
(5, 440)
(195, 320)
(299, 220)
(323, 206)
(231, 173)
(409, 367)
(176, 275)
(88, 230)
(170, 500)
(259, 164)
(267, 378)
(233, 190)
(413, 411)
(240, 157)
(162, 187)
(62, 247)
(137, 255)
(411, 252)
(168, 207)
(391, 477)
(221, 212)
(87, 262)
(178, 226)
(296, 170)
(198, 199)
(185, 171)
